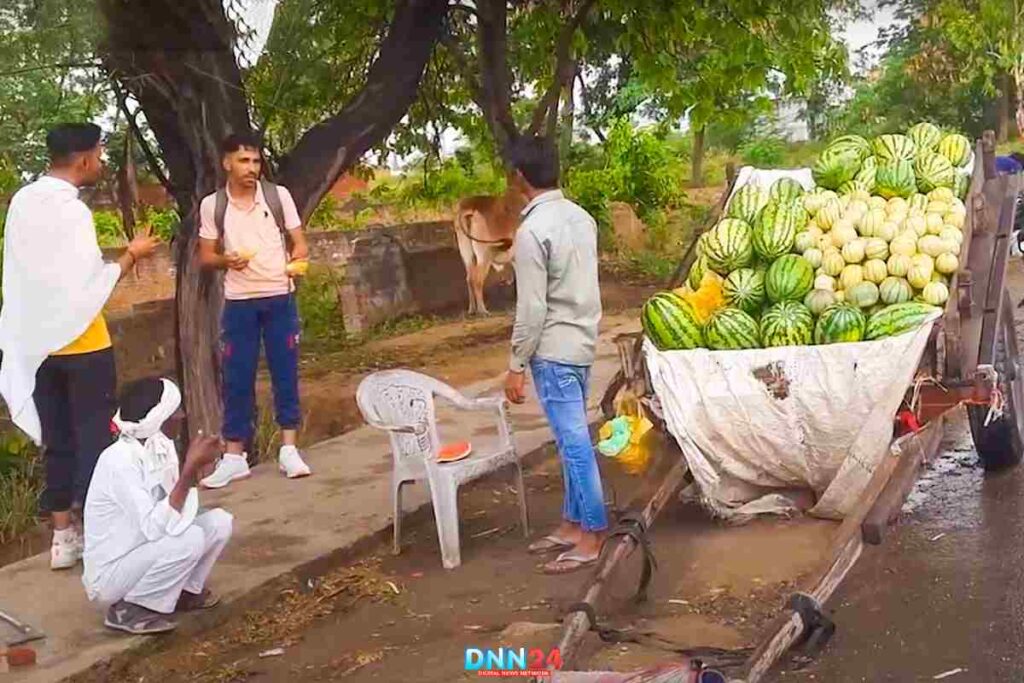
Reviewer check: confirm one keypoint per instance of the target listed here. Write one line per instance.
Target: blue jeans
(562, 390)
(274, 321)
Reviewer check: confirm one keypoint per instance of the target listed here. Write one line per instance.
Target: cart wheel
(999, 444)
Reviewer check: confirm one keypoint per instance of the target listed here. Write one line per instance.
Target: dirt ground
(379, 617)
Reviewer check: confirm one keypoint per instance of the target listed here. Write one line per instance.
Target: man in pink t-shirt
(259, 305)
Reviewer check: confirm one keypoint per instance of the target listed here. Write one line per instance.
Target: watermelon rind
(731, 329)
(789, 278)
(787, 323)
(744, 289)
(841, 322)
(670, 322)
(898, 318)
(729, 246)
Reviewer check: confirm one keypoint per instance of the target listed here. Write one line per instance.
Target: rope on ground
(632, 525)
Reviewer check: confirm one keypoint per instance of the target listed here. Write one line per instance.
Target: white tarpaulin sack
(757, 426)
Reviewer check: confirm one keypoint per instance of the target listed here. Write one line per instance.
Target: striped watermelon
(854, 142)
(961, 182)
(840, 322)
(789, 278)
(956, 148)
(899, 318)
(670, 322)
(775, 230)
(835, 166)
(785, 190)
(786, 323)
(744, 289)
(932, 171)
(696, 274)
(894, 148)
(925, 135)
(747, 203)
(731, 329)
(895, 179)
(728, 246)
(866, 177)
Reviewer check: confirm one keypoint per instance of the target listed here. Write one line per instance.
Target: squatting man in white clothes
(148, 548)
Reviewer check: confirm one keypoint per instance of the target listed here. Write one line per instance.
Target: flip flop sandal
(191, 602)
(567, 563)
(548, 544)
(137, 620)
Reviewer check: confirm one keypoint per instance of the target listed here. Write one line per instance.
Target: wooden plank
(578, 624)
(844, 550)
(915, 451)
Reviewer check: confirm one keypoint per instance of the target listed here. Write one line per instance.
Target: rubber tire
(1000, 445)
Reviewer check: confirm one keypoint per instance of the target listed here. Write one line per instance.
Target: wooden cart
(971, 359)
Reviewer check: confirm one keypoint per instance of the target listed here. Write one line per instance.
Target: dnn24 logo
(508, 662)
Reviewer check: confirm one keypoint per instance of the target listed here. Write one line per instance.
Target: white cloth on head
(127, 505)
(55, 283)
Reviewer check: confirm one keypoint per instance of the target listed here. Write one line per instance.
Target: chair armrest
(399, 428)
(488, 403)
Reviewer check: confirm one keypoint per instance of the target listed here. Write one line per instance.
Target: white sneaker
(230, 468)
(291, 464)
(66, 549)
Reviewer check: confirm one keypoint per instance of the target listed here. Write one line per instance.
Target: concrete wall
(384, 272)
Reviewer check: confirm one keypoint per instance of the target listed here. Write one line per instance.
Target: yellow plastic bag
(636, 456)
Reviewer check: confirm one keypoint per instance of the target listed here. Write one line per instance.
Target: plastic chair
(401, 402)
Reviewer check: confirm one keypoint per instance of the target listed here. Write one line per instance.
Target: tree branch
(496, 77)
(325, 151)
(147, 151)
(47, 67)
(564, 69)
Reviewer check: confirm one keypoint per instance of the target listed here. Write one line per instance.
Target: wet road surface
(945, 592)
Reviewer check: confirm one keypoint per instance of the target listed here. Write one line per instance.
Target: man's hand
(515, 387)
(201, 452)
(235, 261)
(143, 245)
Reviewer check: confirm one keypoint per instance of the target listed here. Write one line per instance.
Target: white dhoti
(154, 574)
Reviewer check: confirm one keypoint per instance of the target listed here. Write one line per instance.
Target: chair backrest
(403, 397)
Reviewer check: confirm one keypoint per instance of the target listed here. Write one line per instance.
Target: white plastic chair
(401, 402)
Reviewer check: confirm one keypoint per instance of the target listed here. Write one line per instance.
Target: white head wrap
(154, 450)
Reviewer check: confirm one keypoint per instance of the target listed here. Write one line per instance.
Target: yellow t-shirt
(95, 338)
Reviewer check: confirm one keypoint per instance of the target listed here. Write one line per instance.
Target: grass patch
(21, 482)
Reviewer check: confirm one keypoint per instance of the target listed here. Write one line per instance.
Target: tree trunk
(179, 63)
(697, 158)
(1003, 109)
(568, 116)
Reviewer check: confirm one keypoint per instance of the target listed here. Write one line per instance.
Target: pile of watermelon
(789, 267)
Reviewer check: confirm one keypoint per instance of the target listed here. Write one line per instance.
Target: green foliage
(765, 151)
(638, 166)
(109, 229)
(164, 222)
(20, 485)
(319, 302)
(49, 75)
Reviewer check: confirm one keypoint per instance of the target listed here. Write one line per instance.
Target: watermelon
(835, 166)
(895, 179)
(747, 203)
(785, 190)
(670, 322)
(894, 148)
(895, 290)
(789, 278)
(932, 171)
(899, 318)
(855, 142)
(696, 274)
(961, 182)
(925, 136)
(851, 186)
(956, 148)
(842, 322)
(786, 323)
(731, 329)
(775, 230)
(728, 246)
(744, 289)
(866, 177)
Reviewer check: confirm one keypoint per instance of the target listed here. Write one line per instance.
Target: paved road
(945, 592)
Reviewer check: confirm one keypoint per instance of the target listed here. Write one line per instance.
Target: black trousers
(75, 398)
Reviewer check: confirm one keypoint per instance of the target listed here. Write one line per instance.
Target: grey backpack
(273, 199)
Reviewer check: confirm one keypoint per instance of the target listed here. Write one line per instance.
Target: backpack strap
(272, 196)
(219, 211)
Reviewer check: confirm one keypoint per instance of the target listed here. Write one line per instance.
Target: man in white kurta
(148, 550)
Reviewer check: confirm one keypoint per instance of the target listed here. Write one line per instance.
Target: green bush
(765, 151)
(109, 231)
(164, 222)
(21, 483)
(318, 298)
(639, 166)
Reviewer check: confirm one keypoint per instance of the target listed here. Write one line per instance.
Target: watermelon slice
(454, 452)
